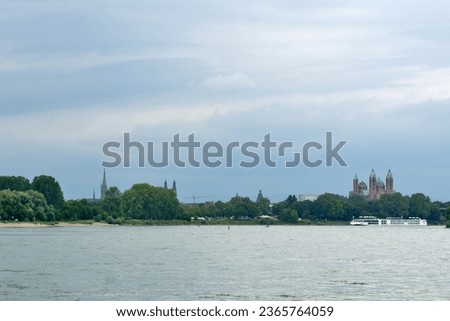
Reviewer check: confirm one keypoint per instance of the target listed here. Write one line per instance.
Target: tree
(290, 202)
(356, 206)
(241, 207)
(288, 215)
(419, 206)
(394, 205)
(304, 209)
(14, 183)
(78, 210)
(24, 206)
(447, 217)
(10, 205)
(330, 207)
(263, 205)
(435, 212)
(49, 187)
(111, 204)
(144, 201)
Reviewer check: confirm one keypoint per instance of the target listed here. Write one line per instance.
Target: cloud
(235, 81)
(75, 74)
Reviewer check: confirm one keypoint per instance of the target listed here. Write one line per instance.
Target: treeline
(42, 199)
(327, 207)
(334, 207)
(23, 200)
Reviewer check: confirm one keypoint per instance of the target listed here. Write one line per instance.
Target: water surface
(217, 263)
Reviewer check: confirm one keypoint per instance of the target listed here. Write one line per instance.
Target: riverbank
(228, 222)
(4, 224)
(45, 225)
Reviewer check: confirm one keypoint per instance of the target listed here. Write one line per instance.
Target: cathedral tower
(174, 187)
(389, 183)
(103, 187)
(259, 197)
(355, 185)
(372, 186)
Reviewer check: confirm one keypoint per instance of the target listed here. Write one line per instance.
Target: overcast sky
(76, 74)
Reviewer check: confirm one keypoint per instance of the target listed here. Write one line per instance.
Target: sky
(77, 74)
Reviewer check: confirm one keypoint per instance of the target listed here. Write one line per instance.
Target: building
(376, 186)
(103, 187)
(307, 197)
(260, 196)
(174, 186)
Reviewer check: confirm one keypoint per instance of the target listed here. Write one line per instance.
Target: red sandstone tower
(376, 186)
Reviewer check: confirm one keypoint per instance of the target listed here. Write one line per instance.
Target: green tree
(303, 209)
(330, 206)
(394, 205)
(24, 206)
(263, 205)
(288, 215)
(447, 217)
(356, 206)
(241, 207)
(14, 183)
(290, 202)
(78, 210)
(144, 201)
(49, 187)
(435, 212)
(10, 205)
(215, 209)
(111, 204)
(419, 206)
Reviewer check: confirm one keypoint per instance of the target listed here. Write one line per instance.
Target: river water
(217, 263)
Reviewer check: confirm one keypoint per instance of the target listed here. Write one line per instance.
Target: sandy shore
(39, 225)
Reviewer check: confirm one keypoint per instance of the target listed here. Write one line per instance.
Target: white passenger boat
(372, 220)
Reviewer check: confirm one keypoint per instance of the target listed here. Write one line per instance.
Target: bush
(119, 221)
(288, 215)
(98, 217)
(109, 220)
(447, 225)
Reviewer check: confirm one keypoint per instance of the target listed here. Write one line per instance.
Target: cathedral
(104, 188)
(376, 186)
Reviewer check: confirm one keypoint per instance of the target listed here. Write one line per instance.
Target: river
(221, 263)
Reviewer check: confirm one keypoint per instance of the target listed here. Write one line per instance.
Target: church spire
(389, 174)
(372, 186)
(174, 187)
(260, 196)
(103, 187)
(389, 182)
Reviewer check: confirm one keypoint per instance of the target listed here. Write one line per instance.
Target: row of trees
(329, 207)
(25, 206)
(338, 208)
(141, 202)
(23, 200)
(46, 185)
(42, 199)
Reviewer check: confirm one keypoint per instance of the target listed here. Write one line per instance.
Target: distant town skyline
(76, 75)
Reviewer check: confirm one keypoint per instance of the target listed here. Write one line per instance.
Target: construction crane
(195, 197)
